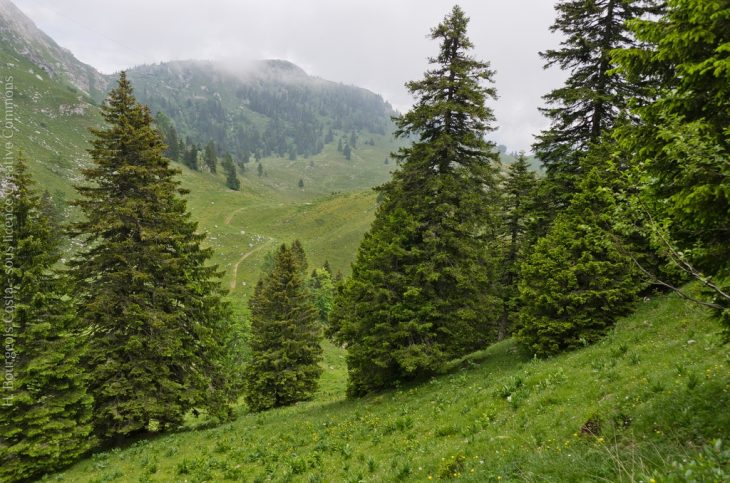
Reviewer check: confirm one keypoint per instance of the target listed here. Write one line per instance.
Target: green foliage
(593, 95)
(681, 141)
(45, 416)
(518, 207)
(149, 306)
(175, 145)
(576, 282)
(420, 287)
(285, 336)
(710, 463)
(452, 467)
(300, 258)
(191, 157)
(322, 289)
(211, 157)
(229, 168)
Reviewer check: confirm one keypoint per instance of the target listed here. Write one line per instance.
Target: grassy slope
(269, 209)
(329, 215)
(658, 386)
(51, 123)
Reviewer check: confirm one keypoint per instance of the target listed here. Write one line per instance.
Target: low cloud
(376, 44)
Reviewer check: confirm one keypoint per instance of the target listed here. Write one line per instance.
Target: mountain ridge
(251, 108)
(20, 33)
(258, 108)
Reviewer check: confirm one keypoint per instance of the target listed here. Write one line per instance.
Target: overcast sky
(376, 44)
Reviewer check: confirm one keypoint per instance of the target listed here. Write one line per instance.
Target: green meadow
(642, 405)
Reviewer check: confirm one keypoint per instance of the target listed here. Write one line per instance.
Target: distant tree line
(300, 116)
(195, 157)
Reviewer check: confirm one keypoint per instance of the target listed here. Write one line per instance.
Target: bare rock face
(19, 34)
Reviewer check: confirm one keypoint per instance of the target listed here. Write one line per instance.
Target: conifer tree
(52, 207)
(45, 413)
(519, 191)
(347, 152)
(260, 170)
(191, 157)
(300, 257)
(229, 168)
(421, 286)
(576, 282)
(169, 134)
(149, 305)
(593, 95)
(285, 337)
(210, 157)
(681, 139)
(173, 145)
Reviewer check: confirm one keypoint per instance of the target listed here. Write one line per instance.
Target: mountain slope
(22, 36)
(50, 121)
(50, 125)
(646, 403)
(263, 108)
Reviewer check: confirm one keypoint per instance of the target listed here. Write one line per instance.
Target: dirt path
(234, 275)
(232, 214)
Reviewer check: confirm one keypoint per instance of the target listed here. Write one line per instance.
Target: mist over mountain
(248, 108)
(263, 108)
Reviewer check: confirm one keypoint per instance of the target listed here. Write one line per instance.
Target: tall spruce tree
(518, 203)
(211, 157)
(45, 414)
(421, 289)
(576, 282)
(300, 257)
(285, 337)
(191, 157)
(150, 307)
(229, 168)
(593, 95)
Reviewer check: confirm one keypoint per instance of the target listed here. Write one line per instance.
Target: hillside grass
(50, 123)
(647, 403)
(329, 215)
(244, 226)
